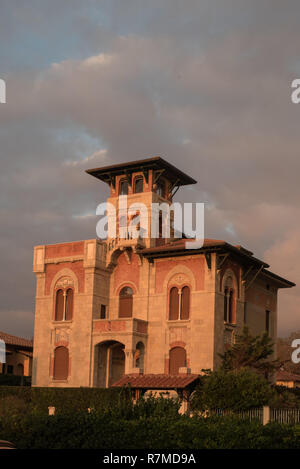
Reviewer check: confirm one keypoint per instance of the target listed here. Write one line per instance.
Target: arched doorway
(109, 363)
(177, 360)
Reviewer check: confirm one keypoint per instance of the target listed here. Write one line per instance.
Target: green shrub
(67, 400)
(235, 390)
(100, 431)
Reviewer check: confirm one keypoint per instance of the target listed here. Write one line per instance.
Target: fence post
(266, 415)
(51, 410)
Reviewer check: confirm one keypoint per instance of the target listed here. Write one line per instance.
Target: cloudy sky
(204, 83)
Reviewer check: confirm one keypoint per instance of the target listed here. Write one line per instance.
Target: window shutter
(61, 363)
(185, 303)
(59, 306)
(177, 360)
(69, 305)
(174, 304)
(125, 308)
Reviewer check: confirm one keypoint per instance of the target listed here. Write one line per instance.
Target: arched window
(177, 360)
(138, 185)
(59, 305)
(123, 187)
(160, 188)
(69, 304)
(229, 301)
(125, 302)
(174, 304)
(179, 303)
(20, 369)
(61, 363)
(185, 303)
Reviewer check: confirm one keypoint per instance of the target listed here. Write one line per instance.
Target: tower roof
(174, 174)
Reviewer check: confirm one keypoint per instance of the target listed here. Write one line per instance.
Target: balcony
(120, 326)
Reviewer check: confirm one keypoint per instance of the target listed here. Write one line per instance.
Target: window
(125, 302)
(160, 188)
(123, 188)
(229, 301)
(179, 303)
(177, 360)
(61, 363)
(174, 304)
(10, 369)
(64, 305)
(59, 306)
(69, 305)
(103, 312)
(138, 185)
(185, 303)
(20, 369)
(268, 321)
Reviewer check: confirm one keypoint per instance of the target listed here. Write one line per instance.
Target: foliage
(235, 390)
(67, 399)
(250, 352)
(99, 430)
(13, 380)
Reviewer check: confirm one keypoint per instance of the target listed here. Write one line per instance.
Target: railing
(120, 325)
(285, 415)
(263, 414)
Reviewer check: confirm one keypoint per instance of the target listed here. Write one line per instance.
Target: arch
(59, 305)
(109, 363)
(173, 275)
(125, 302)
(61, 363)
(68, 273)
(177, 359)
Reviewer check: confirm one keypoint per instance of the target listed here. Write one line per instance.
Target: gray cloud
(206, 85)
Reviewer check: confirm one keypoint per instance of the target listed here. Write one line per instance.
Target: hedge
(101, 431)
(66, 399)
(14, 380)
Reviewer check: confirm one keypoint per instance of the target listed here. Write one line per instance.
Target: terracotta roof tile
(159, 381)
(286, 376)
(14, 340)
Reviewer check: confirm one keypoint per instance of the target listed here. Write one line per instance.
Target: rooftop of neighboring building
(14, 340)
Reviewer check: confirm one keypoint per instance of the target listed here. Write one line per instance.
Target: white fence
(263, 414)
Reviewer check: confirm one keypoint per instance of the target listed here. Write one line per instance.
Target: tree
(250, 352)
(232, 390)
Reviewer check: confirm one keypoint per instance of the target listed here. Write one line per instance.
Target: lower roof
(157, 381)
(16, 341)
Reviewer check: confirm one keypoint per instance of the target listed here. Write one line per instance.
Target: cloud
(205, 85)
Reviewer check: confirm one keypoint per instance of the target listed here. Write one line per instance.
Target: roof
(286, 376)
(174, 174)
(14, 340)
(177, 248)
(160, 381)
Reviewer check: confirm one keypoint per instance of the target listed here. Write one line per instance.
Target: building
(18, 351)
(144, 305)
(285, 378)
